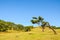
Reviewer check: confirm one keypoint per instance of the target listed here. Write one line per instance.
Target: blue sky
(22, 11)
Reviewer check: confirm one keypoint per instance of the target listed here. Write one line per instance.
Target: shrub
(26, 29)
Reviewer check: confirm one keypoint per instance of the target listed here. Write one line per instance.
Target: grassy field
(35, 34)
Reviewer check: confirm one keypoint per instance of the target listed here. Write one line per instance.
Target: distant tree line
(55, 27)
(5, 26)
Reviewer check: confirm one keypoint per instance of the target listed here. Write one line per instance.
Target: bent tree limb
(52, 30)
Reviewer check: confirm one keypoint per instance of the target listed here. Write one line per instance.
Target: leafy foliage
(19, 27)
(4, 26)
(28, 28)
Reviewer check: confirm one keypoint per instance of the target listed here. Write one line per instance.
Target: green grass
(35, 34)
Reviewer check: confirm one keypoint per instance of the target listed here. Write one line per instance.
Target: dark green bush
(26, 29)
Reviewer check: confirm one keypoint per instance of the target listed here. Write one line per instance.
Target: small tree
(43, 23)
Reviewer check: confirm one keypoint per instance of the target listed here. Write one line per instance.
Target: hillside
(34, 34)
